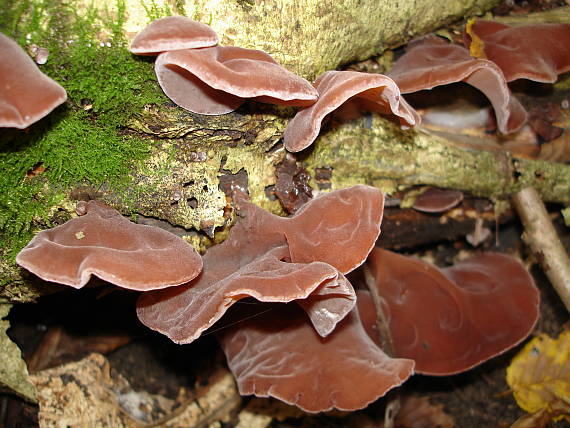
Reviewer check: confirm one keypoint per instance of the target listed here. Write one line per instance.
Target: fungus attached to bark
(26, 94)
(103, 243)
(372, 92)
(173, 33)
(277, 353)
(538, 52)
(449, 320)
(217, 80)
(436, 200)
(433, 62)
(276, 259)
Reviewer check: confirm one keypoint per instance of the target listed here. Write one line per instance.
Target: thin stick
(386, 343)
(540, 235)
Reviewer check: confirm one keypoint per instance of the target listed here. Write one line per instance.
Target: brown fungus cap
(449, 320)
(276, 259)
(436, 200)
(339, 228)
(103, 243)
(538, 52)
(26, 94)
(183, 313)
(277, 353)
(375, 92)
(217, 80)
(432, 62)
(173, 33)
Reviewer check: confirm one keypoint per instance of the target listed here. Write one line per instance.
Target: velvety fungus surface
(436, 200)
(449, 320)
(432, 62)
(173, 33)
(26, 94)
(371, 92)
(103, 243)
(538, 52)
(276, 259)
(218, 79)
(277, 353)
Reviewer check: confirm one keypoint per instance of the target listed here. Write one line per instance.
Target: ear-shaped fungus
(217, 80)
(103, 243)
(374, 92)
(26, 94)
(278, 354)
(276, 259)
(173, 33)
(538, 52)
(433, 62)
(436, 200)
(449, 320)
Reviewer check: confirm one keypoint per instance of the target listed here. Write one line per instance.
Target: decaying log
(308, 36)
(194, 160)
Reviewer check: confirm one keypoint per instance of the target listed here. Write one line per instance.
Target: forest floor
(69, 325)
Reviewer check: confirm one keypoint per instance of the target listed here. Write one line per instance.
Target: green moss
(84, 141)
(154, 11)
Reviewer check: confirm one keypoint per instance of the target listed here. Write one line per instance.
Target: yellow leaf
(540, 376)
(477, 46)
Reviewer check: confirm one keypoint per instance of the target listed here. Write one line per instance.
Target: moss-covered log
(373, 151)
(118, 138)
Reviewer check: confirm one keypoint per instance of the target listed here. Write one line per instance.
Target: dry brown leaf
(541, 418)
(418, 412)
(59, 346)
(557, 150)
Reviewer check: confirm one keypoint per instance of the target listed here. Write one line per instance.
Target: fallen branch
(540, 235)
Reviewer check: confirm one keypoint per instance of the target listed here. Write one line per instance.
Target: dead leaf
(557, 150)
(541, 418)
(418, 412)
(59, 346)
(13, 371)
(540, 377)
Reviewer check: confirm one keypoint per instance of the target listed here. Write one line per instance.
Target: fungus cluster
(439, 322)
(538, 52)
(275, 259)
(205, 78)
(26, 94)
(494, 54)
(432, 62)
(312, 341)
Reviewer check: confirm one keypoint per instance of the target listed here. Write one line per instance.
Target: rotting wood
(370, 150)
(373, 151)
(292, 31)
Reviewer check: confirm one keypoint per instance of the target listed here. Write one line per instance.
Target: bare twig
(386, 343)
(540, 235)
